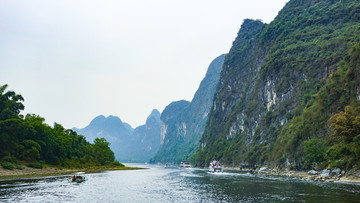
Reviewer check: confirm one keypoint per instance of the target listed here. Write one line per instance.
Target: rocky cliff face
(171, 121)
(269, 77)
(146, 139)
(183, 122)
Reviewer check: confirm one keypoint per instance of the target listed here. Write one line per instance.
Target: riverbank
(305, 176)
(29, 172)
(350, 177)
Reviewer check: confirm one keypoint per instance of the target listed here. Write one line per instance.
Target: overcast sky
(73, 60)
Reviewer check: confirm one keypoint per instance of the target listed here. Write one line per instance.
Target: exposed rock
(266, 77)
(312, 172)
(325, 173)
(163, 132)
(335, 172)
(262, 169)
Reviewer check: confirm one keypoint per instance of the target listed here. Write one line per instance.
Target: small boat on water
(167, 164)
(215, 167)
(185, 164)
(78, 179)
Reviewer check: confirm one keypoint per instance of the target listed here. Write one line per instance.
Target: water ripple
(158, 184)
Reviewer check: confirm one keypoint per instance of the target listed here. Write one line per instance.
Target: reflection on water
(159, 184)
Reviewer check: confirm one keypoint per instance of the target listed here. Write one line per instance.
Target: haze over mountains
(277, 99)
(170, 137)
(128, 144)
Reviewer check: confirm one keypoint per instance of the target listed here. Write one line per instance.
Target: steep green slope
(272, 76)
(183, 122)
(171, 133)
(307, 138)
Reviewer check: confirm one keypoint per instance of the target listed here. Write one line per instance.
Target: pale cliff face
(163, 132)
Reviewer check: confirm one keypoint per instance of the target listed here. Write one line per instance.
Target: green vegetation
(344, 151)
(27, 139)
(320, 134)
(185, 121)
(8, 165)
(308, 57)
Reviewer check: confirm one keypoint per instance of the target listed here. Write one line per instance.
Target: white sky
(73, 60)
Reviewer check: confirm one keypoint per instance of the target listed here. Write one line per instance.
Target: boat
(78, 179)
(215, 167)
(185, 164)
(167, 164)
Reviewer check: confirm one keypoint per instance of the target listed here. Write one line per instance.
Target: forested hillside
(282, 95)
(28, 140)
(183, 122)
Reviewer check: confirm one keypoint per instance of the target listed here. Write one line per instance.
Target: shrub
(8, 165)
(116, 164)
(35, 165)
(314, 152)
(20, 167)
(9, 158)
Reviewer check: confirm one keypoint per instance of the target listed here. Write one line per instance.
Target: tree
(29, 139)
(10, 103)
(346, 125)
(102, 151)
(31, 151)
(10, 124)
(345, 151)
(314, 153)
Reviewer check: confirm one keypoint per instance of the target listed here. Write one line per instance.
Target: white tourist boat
(185, 164)
(215, 167)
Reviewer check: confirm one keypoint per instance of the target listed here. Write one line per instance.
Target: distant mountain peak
(97, 119)
(155, 114)
(127, 143)
(112, 118)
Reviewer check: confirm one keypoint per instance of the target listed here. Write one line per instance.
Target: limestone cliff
(271, 77)
(183, 122)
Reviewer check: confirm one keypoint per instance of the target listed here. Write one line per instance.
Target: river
(159, 184)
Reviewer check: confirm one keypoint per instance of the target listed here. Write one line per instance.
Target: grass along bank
(28, 172)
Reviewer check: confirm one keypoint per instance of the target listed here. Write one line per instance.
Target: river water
(159, 184)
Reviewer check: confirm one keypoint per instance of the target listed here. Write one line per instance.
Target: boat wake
(189, 175)
(231, 174)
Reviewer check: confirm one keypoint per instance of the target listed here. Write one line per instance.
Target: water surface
(159, 184)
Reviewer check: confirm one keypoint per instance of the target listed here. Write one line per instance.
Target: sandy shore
(32, 172)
